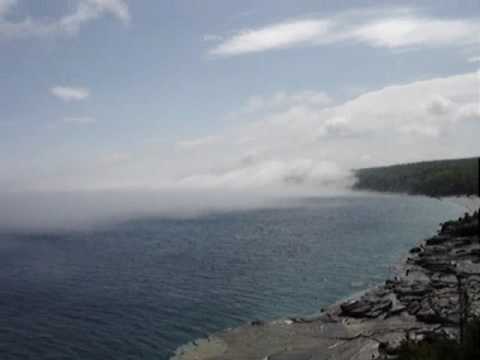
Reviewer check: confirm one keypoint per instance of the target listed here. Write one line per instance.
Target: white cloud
(118, 8)
(337, 127)
(69, 93)
(474, 59)
(6, 5)
(85, 11)
(274, 36)
(420, 129)
(414, 31)
(268, 173)
(396, 28)
(439, 105)
(468, 112)
(80, 120)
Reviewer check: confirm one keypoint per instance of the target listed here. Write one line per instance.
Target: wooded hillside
(432, 178)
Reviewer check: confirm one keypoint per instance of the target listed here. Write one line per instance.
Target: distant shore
(438, 178)
(372, 323)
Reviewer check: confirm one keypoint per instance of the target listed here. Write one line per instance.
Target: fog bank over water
(78, 210)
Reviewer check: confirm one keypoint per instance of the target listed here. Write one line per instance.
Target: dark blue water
(138, 290)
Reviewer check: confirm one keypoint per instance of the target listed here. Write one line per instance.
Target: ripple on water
(140, 289)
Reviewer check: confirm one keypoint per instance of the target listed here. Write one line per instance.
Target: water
(137, 290)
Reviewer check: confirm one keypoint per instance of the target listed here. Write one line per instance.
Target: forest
(453, 177)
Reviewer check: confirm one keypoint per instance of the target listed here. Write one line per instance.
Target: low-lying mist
(78, 210)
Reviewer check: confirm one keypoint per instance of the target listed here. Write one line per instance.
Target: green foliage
(432, 178)
(445, 349)
(471, 348)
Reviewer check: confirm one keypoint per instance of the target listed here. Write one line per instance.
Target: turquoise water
(139, 289)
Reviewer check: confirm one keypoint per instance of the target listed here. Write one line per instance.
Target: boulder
(366, 307)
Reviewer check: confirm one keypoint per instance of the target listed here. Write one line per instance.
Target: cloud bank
(312, 144)
(81, 210)
(289, 140)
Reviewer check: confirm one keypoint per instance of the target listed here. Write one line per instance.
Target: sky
(205, 95)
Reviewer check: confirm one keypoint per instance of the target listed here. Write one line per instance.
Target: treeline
(432, 178)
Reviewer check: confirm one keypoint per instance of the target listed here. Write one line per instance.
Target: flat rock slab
(346, 339)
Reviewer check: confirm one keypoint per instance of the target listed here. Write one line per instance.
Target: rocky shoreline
(426, 299)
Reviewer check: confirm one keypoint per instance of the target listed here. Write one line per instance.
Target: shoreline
(470, 203)
(365, 324)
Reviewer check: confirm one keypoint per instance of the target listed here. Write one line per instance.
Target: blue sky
(133, 94)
